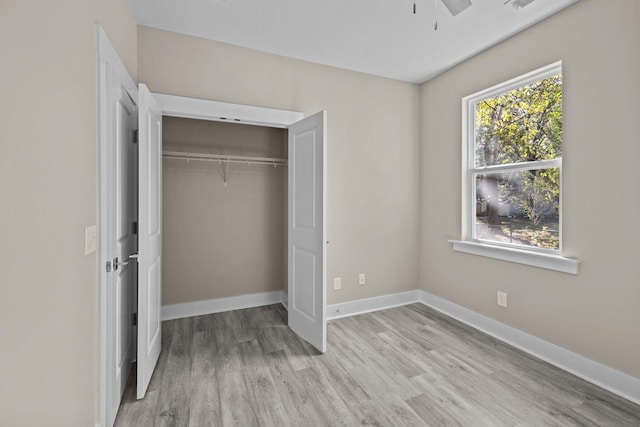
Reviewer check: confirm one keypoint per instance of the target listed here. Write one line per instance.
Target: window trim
(538, 257)
(517, 255)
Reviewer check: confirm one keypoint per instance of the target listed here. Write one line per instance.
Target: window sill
(520, 256)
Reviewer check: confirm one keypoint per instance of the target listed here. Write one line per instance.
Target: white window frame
(534, 256)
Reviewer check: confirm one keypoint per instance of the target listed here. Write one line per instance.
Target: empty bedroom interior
(393, 201)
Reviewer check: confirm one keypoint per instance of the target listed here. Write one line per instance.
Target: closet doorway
(305, 182)
(224, 213)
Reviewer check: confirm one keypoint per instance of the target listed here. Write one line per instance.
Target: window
(512, 147)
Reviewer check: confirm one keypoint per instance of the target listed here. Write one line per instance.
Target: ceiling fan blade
(456, 6)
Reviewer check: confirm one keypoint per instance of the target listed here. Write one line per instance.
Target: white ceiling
(381, 37)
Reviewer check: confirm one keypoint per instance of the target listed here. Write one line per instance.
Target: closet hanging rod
(183, 155)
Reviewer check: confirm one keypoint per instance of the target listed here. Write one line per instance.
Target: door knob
(117, 264)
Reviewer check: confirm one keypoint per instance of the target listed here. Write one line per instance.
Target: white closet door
(149, 236)
(307, 229)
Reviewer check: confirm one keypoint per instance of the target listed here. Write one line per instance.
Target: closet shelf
(183, 155)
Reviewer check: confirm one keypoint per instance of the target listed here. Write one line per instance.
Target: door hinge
(134, 319)
(135, 136)
(109, 267)
(134, 227)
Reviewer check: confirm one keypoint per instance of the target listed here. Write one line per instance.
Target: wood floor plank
(291, 393)
(235, 400)
(389, 374)
(227, 356)
(341, 379)
(433, 412)
(260, 384)
(471, 395)
(172, 408)
(343, 347)
(328, 408)
(604, 412)
(406, 366)
(204, 403)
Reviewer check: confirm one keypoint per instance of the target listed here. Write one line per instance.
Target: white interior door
(124, 244)
(307, 229)
(118, 120)
(149, 236)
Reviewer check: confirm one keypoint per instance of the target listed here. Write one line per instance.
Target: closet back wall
(222, 241)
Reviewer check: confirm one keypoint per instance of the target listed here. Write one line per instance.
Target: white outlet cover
(502, 299)
(337, 283)
(361, 279)
(90, 239)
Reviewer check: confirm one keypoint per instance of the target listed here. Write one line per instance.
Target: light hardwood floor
(406, 366)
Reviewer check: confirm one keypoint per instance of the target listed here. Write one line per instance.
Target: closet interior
(224, 209)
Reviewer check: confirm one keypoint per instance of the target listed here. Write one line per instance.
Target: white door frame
(202, 109)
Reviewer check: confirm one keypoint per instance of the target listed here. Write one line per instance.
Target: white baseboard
(285, 300)
(218, 305)
(351, 308)
(617, 382)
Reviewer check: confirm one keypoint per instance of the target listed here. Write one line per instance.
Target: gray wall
(596, 313)
(48, 194)
(222, 241)
(373, 148)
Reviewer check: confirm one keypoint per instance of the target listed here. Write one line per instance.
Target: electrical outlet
(90, 239)
(361, 280)
(502, 299)
(337, 283)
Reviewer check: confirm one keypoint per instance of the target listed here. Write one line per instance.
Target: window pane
(520, 207)
(522, 125)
